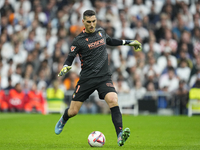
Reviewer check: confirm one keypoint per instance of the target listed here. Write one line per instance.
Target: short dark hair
(88, 13)
(170, 68)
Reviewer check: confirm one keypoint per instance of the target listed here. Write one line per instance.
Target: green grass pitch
(36, 132)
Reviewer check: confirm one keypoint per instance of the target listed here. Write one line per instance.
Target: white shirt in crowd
(172, 84)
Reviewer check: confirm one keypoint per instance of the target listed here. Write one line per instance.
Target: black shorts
(85, 88)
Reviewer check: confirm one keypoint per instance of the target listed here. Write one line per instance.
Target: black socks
(116, 119)
(65, 115)
(115, 114)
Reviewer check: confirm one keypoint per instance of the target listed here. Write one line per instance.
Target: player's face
(90, 23)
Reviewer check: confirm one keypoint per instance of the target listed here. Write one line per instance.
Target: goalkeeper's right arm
(66, 66)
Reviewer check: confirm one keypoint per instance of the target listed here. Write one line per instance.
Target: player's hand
(137, 45)
(64, 70)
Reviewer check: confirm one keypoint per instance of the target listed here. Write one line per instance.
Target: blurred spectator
(112, 16)
(181, 98)
(184, 56)
(19, 34)
(183, 71)
(194, 78)
(121, 86)
(195, 7)
(9, 87)
(35, 102)
(139, 9)
(3, 102)
(178, 30)
(24, 5)
(151, 66)
(139, 29)
(26, 85)
(119, 57)
(45, 68)
(7, 71)
(91, 106)
(1, 98)
(19, 55)
(139, 90)
(163, 24)
(37, 33)
(15, 101)
(38, 15)
(163, 99)
(151, 77)
(6, 8)
(119, 73)
(196, 22)
(71, 81)
(187, 15)
(168, 42)
(7, 49)
(194, 97)
(29, 44)
(170, 9)
(50, 9)
(125, 32)
(196, 66)
(152, 45)
(150, 92)
(163, 60)
(196, 49)
(55, 97)
(49, 43)
(169, 79)
(169, 65)
(28, 72)
(17, 75)
(153, 15)
(185, 43)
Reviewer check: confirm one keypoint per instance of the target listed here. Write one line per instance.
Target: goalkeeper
(90, 45)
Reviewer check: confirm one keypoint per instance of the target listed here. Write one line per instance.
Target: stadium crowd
(35, 38)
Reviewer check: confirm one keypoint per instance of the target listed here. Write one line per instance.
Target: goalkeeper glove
(137, 45)
(64, 70)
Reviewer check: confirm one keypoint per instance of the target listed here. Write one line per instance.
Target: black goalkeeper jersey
(91, 48)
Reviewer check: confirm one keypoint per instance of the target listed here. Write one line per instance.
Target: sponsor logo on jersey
(96, 44)
(73, 48)
(15, 101)
(100, 34)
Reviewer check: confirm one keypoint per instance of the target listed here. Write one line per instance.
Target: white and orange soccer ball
(96, 139)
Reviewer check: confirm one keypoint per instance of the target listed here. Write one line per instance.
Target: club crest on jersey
(100, 34)
(73, 95)
(73, 48)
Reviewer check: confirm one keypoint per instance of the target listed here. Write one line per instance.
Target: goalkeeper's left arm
(116, 42)
(66, 66)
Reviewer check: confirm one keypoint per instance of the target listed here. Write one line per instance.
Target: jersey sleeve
(112, 42)
(108, 38)
(75, 48)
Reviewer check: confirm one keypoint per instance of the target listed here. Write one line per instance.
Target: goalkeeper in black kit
(90, 45)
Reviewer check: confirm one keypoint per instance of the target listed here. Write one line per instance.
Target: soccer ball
(96, 139)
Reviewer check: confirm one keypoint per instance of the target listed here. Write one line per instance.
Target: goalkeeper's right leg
(61, 123)
(69, 112)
